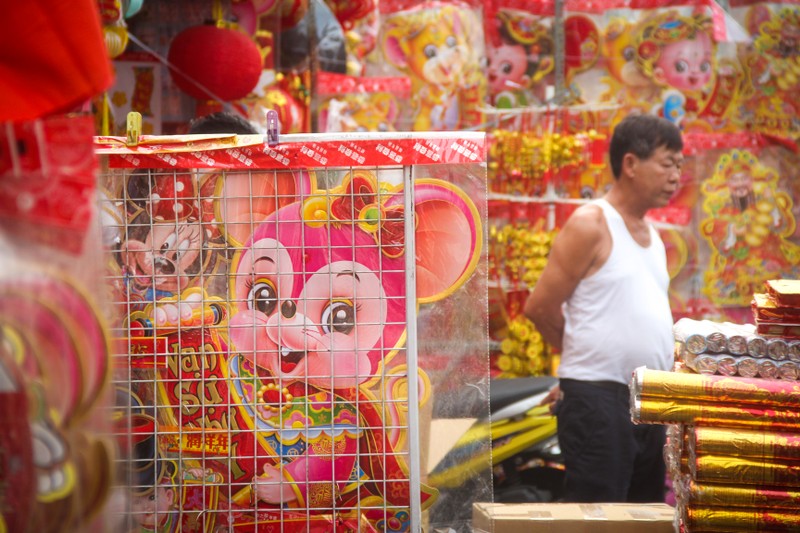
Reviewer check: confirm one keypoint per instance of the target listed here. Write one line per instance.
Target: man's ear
(629, 163)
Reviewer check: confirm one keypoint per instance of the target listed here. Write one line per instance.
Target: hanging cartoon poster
(439, 46)
(519, 55)
(359, 20)
(169, 250)
(679, 54)
(772, 63)
(349, 103)
(675, 62)
(284, 371)
(748, 223)
(624, 81)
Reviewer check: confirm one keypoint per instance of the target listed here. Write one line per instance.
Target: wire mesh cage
(269, 370)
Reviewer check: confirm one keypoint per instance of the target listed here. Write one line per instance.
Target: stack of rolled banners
(733, 447)
(777, 310)
(731, 349)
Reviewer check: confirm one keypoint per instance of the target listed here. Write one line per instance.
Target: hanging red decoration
(207, 59)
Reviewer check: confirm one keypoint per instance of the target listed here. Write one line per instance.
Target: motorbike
(524, 456)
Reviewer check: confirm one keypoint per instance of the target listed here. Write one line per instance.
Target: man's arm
(576, 253)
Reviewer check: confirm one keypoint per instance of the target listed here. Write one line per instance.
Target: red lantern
(208, 62)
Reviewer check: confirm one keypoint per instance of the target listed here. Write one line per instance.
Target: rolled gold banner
(715, 388)
(682, 411)
(744, 471)
(728, 520)
(698, 494)
(764, 445)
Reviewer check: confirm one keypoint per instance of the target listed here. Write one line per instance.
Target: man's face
(660, 175)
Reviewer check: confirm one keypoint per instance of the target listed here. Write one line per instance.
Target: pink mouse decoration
(319, 290)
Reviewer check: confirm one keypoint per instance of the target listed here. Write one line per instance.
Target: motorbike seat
(504, 392)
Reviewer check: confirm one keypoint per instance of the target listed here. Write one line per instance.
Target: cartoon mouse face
(164, 256)
(324, 303)
(619, 53)
(443, 57)
(316, 313)
(430, 44)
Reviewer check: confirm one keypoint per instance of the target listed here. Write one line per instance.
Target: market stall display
(732, 449)
(55, 452)
(269, 297)
(200, 375)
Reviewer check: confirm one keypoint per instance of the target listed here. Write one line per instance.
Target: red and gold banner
(294, 151)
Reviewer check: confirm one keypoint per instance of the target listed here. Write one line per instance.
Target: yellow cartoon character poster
(747, 222)
(439, 46)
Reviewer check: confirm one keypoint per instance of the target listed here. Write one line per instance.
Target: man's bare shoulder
(588, 221)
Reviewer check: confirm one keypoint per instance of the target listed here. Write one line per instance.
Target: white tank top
(619, 317)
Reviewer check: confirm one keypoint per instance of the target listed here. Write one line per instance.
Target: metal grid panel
(261, 363)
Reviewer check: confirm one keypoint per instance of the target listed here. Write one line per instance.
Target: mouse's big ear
(246, 199)
(448, 238)
(395, 45)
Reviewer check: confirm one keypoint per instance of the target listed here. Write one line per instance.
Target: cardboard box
(572, 518)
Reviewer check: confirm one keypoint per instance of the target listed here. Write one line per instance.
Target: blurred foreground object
(52, 58)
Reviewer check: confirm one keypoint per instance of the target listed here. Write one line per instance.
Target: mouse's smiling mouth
(290, 359)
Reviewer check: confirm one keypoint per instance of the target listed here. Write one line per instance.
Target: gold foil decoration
(745, 471)
(727, 520)
(765, 393)
(765, 445)
(665, 411)
(721, 495)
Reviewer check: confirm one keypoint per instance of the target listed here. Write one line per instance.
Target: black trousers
(607, 457)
